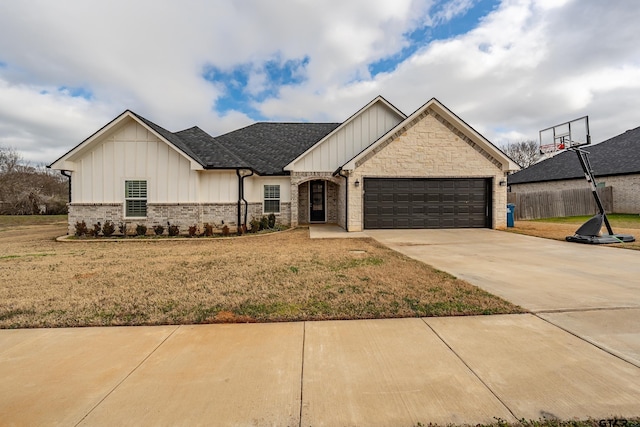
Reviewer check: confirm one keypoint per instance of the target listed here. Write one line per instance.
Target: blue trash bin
(511, 208)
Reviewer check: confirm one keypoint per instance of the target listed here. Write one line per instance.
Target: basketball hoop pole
(571, 136)
(583, 156)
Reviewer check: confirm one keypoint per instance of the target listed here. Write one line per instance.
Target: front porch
(318, 199)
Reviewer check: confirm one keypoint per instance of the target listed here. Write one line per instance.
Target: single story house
(615, 163)
(378, 169)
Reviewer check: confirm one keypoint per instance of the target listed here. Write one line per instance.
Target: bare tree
(525, 153)
(9, 159)
(28, 190)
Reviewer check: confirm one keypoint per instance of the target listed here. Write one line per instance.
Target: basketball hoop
(551, 149)
(574, 133)
(571, 136)
(547, 149)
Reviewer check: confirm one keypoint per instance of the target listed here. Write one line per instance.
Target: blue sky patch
(248, 83)
(420, 37)
(76, 92)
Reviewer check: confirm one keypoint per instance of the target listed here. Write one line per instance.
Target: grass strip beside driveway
(560, 228)
(280, 277)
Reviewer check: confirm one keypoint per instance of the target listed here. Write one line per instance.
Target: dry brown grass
(278, 277)
(559, 231)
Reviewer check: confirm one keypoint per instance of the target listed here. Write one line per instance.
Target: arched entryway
(318, 201)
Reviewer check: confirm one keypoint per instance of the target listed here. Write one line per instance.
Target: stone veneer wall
(298, 211)
(183, 215)
(332, 202)
(429, 147)
(300, 193)
(303, 203)
(626, 197)
(341, 205)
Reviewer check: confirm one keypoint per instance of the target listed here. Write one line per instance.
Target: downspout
(346, 204)
(246, 204)
(63, 172)
(241, 199)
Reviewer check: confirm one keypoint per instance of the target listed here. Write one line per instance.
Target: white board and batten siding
(131, 152)
(348, 140)
(218, 186)
(254, 188)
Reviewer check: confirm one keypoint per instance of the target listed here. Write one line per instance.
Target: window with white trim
(135, 198)
(271, 199)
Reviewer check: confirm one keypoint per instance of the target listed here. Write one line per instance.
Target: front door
(317, 202)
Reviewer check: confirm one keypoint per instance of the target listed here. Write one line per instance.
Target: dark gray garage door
(426, 203)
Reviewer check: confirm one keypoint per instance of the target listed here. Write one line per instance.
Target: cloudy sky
(508, 68)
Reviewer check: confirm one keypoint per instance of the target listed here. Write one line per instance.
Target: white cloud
(526, 65)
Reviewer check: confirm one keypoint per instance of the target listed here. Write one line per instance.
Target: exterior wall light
(503, 183)
(357, 183)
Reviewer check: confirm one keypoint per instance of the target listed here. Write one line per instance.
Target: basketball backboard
(574, 133)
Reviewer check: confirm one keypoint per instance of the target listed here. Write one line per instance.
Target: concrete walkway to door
(591, 291)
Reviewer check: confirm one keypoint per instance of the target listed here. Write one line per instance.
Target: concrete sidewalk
(369, 372)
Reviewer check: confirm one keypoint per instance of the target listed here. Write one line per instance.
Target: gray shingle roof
(264, 147)
(211, 153)
(171, 137)
(269, 147)
(619, 155)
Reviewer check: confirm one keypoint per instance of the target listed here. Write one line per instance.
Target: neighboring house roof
(619, 155)
(269, 147)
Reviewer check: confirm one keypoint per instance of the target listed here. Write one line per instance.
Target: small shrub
(225, 231)
(108, 229)
(193, 230)
(264, 223)
(208, 230)
(141, 230)
(271, 220)
(158, 229)
(255, 225)
(81, 228)
(95, 231)
(173, 230)
(122, 228)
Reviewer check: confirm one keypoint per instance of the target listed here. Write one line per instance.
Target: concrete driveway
(592, 291)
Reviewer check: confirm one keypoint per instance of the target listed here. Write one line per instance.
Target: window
(135, 196)
(272, 199)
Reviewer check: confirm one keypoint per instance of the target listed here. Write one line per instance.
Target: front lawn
(278, 277)
(8, 221)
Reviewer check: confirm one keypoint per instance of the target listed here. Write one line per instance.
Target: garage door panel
(426, 203)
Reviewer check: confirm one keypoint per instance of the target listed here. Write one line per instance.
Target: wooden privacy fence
(556, 203)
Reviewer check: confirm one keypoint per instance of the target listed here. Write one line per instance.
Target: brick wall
(92, 213)
(183, 215)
